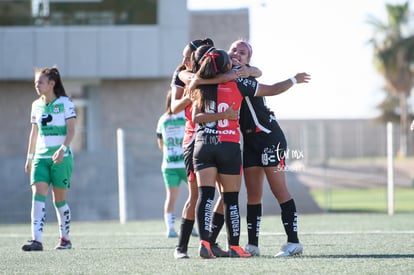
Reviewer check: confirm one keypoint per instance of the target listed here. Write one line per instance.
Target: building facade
(117, 75)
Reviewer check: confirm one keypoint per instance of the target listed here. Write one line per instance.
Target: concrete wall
(223, 27)
(116, 52)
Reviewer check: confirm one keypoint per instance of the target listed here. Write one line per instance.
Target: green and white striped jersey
(51, 121)
(171, 129)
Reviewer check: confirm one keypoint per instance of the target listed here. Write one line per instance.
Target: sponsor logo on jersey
(219, 132)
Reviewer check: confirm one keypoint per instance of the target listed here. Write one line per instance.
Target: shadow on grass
(345, 256)
(363, 256)
(154, 248)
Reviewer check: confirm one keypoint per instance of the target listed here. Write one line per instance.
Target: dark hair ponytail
(198, 56)
(195, 44)
(54, 75)
(214, 62)
(211, 62)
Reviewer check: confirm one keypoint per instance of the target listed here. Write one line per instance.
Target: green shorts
(174, 176)
(56, 174)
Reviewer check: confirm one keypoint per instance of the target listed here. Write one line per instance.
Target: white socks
(169, 221)
(38, 216)
(63, 217)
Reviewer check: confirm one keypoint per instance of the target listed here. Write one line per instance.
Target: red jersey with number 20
(227, 94)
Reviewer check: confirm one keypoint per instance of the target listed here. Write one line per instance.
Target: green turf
(364, 200)
(333, 244)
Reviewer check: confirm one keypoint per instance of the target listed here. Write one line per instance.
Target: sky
(327, 39)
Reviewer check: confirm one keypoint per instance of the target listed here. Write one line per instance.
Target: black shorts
(264, 150)
(225, 156)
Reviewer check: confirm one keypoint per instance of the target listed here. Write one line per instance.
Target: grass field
(364, 200)
(333, 244)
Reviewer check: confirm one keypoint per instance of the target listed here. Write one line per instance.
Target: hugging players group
(222, 100)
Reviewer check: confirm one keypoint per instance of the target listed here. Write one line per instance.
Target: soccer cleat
(205, 251)
(217, 251)
(194, 233)
(32, 245)
(64, 244)
(252, 249)
(238, 252)
(179, 254)
(290, 249)
(172, 234)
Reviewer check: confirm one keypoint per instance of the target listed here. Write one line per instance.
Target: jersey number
(222, 107)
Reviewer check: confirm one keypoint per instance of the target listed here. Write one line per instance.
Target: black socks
(254, 217)
(290, 220)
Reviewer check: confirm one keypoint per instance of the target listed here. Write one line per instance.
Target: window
(78, 12)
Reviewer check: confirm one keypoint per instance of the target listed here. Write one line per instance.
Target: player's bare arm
(280, 87)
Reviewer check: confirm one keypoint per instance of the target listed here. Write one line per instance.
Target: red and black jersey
(189, 133)
(216, 102)
(255, 116)
(176, 81)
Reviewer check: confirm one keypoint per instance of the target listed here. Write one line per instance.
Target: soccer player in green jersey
(49, 158)
(170, 134)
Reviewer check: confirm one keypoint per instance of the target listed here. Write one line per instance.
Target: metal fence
(315, 145)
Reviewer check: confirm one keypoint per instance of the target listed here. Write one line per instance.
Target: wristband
(63, 147)
(293, 79)
(30, 156)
